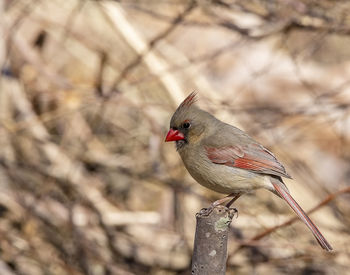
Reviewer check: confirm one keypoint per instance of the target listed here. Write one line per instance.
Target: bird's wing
(253, 157)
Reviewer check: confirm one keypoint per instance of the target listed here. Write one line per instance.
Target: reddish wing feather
(253, 157)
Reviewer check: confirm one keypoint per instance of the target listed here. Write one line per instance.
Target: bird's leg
(234, 198)
(231, 198)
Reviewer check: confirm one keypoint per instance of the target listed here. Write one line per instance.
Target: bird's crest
(189, 100)
(181, 113)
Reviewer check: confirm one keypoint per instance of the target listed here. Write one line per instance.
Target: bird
(225, 159)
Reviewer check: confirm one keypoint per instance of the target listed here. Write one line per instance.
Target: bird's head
(188, 124)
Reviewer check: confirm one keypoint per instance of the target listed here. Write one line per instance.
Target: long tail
(302, 215)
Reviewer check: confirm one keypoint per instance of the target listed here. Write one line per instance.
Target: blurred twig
(143, 49)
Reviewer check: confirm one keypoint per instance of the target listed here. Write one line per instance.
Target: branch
(210, 244)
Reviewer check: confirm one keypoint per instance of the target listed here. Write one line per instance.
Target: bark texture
(210, 244)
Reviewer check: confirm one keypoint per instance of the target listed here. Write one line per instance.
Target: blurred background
(87, 89)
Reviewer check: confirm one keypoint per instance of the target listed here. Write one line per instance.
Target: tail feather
(302, 215)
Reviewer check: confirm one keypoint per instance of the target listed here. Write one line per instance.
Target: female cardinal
(223, 158)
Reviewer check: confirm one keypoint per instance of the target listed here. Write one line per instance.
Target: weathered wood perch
(210, 243)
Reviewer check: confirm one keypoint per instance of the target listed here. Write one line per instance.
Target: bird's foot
(207, 211)
(233, 211)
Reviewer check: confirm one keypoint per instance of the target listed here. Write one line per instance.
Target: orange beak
(174, 135)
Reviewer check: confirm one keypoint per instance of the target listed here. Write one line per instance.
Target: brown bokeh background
(87, 88)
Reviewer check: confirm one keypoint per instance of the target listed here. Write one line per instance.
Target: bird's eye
(186, 125)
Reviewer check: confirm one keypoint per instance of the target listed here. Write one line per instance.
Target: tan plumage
(223, 158)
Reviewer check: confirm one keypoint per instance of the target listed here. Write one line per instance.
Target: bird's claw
(207, 211)
(234, 211)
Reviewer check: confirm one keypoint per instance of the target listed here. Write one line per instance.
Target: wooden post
(210, 243)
